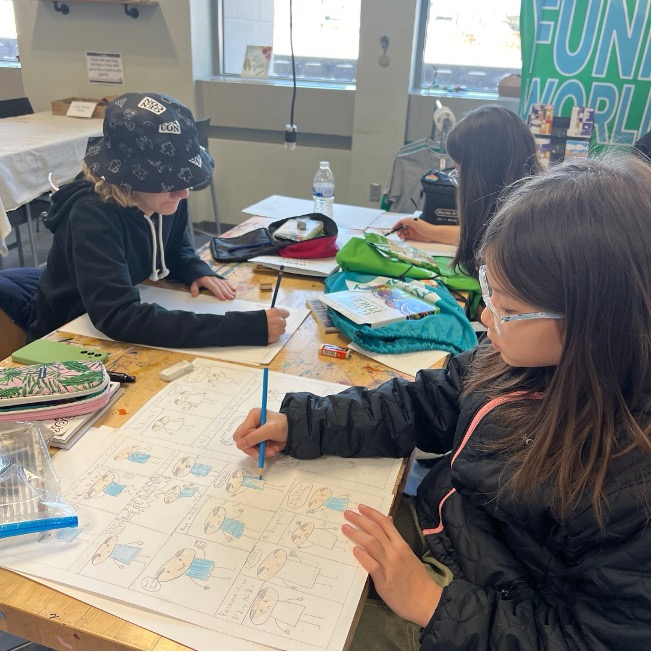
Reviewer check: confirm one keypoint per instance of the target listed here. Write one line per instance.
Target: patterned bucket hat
(149, 145)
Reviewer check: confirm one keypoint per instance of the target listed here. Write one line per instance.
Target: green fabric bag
(378, 255)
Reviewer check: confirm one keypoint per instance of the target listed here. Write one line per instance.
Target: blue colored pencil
(263, 418)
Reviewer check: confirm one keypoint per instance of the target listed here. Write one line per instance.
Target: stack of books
(68, 430)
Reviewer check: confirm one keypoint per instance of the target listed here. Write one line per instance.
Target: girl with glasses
(491, 147)
(532, 530)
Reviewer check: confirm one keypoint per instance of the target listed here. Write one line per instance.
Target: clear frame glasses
(454, 177)
(499, 319)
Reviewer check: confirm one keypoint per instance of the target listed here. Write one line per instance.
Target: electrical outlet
(374, 192)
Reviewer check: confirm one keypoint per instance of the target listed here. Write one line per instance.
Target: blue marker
(263, 418)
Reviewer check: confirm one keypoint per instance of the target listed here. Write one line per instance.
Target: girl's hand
(422, 231)
(276, 323)
(398, 574)
(417, 230)
(218, 287)
(250, 433)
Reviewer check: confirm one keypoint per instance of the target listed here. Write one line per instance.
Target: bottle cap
(323, 164)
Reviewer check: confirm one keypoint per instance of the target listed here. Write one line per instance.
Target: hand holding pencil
(263, 409)
(276, 316)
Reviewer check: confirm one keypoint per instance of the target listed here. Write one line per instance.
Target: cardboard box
(510, 86)
(60, 107)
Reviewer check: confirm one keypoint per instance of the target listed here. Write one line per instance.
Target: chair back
(15, 107)
(17, 294)
(202, 131)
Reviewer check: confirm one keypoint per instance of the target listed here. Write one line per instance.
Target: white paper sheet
(345, 216)
(173, 518)
(408, 363)
(174, 300)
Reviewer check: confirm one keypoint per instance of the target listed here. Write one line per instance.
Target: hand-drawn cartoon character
(189, 464)
(291, 570)
(185, 563)
(107, 484)
(177, 491)
(286, 613)
(231, 528)
(307, 535)
(323, 499)
(238, 482)
(171, 426)
(191, 400)
(133, 454)
(122, 554)
(66, 535)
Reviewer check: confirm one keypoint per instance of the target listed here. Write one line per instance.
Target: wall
(167, 50)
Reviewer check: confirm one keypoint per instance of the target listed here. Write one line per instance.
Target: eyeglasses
(454, 177)
(499, 319)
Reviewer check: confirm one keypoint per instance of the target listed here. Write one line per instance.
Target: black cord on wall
(291, 129)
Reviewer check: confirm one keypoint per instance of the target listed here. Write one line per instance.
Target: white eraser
(176, 370)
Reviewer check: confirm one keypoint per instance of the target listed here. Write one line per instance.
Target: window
(469, 44)
(8, 45)
(325, 35)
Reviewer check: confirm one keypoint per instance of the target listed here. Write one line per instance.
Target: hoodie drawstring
(155, 275)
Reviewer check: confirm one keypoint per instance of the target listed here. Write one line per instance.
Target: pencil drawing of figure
(175, 492)
(323, 499)
(189, 464)
(171, 426)
(286, 613)
(133, 454)
(185, 563)
(238, 482)
(122, 554)
(307, 535)
(231, 528)
(291, 570)
(191, 400)
(65, 535)
(108, 484)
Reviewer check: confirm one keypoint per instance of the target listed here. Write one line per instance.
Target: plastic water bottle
(323, 190)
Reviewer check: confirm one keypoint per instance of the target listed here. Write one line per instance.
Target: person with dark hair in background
(124, 220)
(491, 148)
(532, 529)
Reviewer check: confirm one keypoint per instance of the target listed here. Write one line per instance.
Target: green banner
(593, 53)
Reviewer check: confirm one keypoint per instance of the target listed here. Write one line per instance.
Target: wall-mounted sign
(104, 68)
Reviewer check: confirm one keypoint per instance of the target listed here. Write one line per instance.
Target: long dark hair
(575, 239)
(494, 148)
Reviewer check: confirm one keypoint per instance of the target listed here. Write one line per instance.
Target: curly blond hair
(108, 191)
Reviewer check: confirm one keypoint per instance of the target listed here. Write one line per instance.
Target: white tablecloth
(32, 146)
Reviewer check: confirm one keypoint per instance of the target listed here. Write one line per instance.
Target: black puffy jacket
(522, 580)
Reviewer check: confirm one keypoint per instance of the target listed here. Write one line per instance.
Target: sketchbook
(382, 305)
(174, 519)
(321, 267)
(67, 430)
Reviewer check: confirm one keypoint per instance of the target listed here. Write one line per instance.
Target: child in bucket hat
(123, 221)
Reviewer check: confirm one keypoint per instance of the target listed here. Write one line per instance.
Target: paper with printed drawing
(431, 248)
(203, 304)
(171, 513)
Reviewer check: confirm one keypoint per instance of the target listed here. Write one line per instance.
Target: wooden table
(38, 613)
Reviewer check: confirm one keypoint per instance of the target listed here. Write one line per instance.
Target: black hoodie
(101, 251)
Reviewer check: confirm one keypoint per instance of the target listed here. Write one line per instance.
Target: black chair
(15, 107)
(202, 135)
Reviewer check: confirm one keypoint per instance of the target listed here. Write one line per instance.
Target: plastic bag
(30, 499)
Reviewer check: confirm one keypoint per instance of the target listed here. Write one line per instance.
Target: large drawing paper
(173, 518)
(203, 304)
(344, 215)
